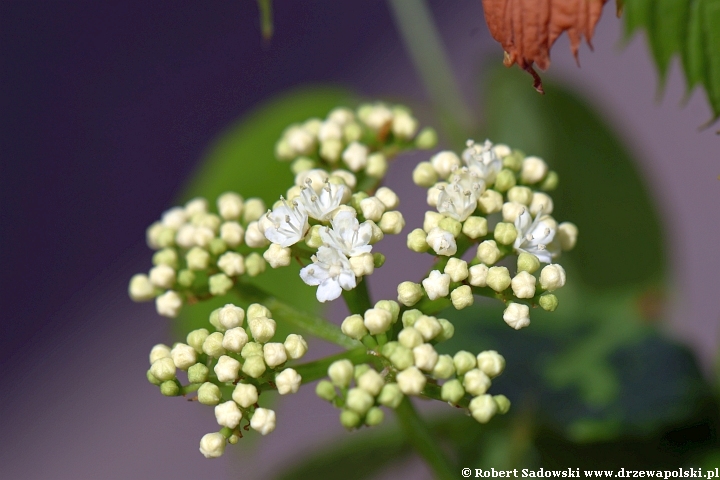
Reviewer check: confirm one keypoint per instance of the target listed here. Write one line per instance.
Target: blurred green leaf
(621, 240)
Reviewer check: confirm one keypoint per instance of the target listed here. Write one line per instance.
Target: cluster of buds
(496, 199)
(229, 368)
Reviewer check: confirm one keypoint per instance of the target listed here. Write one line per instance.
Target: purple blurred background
(107, 107)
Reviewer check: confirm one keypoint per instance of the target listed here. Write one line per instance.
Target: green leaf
(668, 24)
(600, 190)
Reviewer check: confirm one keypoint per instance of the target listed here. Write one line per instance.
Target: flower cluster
(230, 368)
(496, 199)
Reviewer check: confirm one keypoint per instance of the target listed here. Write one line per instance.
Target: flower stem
(357, 299)
(419, 436)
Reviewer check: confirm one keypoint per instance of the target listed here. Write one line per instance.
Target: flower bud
(444, 367)
(409, 317)
(371, 381)
(363, 264)
(527, 262)
(425, 357)
(227, 369)
(505, 233)
(390, 395)
(377, 233)
(377, 165)
(552, 277)
(475, 227)
(372, 208)
(392, 222)
(541, 202)
(140, 288)
(197, 259)
(517, 315)
(228, 414)
(358, 400)
(254, 366)
(521, 195)
(303, 164)
(432, 220)
(411, 381)
(277, 256)
(488, 252)
(166, 256)
(388, 349)
(212, 445)
(491, 363)
(451, 225)
(263, 420)
(548, 302)
(503, 404)
(254, 208)
(354, 327)
(341, 373)
(198, 373)
(231, 316)
(256, 310)
(350, 419)
(391, 306)
(447, 332)
(505, 180)
(196, 338)
(567, 234)
(183, 356)
(186, 278)
(262, 328)
(426, 139)
(483, 408)
(359, 370)
(325, 390)
(274, 354)
(476, 382)
(163, 369)
(254, 236)
(250, 349)
(551, 182)
(162, 276)
(159, 351)
(402, 357)
(462, 297)
(245, 395)
(230, 205)
(355, 156)
(212, 345)
(409, 293)
(295, 346)
(209, 394)
(464, 362)
(232, 233)
(168, 304)
(490, 201)
(424, 175)
(374, 416)
(523, 285)
(219, 284)
(498, 278)
(388, 198)
(232, 264)
(170, 388)
(441, 241)
(457, 269)
(427, 327)
(533, 170)
(288, 381)
(409, 337)
(437, 285)
(477, 275)
(377, 320)
(445, 162)
(452, 391)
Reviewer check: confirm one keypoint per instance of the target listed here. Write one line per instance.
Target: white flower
(212, 445)
(348, 235)
(263, 420)
(437, 285)
(535, 235)
(321, 205)
(482, 160)
(441, 241)
(288, 381)
(331, 271)
(289, 225)
(459, 199)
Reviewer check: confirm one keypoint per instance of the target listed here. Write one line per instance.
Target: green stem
(266, 18)
(419, 436)
(358, 299)
(318, 369)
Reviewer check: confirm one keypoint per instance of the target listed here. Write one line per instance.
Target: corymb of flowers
(489, 200)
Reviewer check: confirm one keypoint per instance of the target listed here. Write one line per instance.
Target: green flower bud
(301, 164)
(426, 139)
(166, 238)
(390, 395)
(498, 278)
(462, 297)
(370, 381)
(416, 241)
(409, 317)
(209, 394)
(354, 327)
(254, 209)
(505, 180)
(391, 306)
(483, 408)
(213, 345)
(256, 310)
(451, 225)
(197, 259)
(424, 175)
(254, 366)
(325, 390)
(352, 132)
(166, 256)
(503, 404)
(251, 349)
(452, 391)
(359, 370)
(464, 362)
(447, 332)
(214, 320)
(359, 400)
(548, 302)
(377, 235)
(409, 293)
(490, 201)
(151, 378)
(198, 373)
(170, 388)
(428, 327)
(341, 373)
(444, 368)
(551, 182)
(186, 278)
(514, 160)
(389, 348)
(220, 284)
(196, 338)
(488, 252)
(356, 198)
(522, 195)
(378, 260)
(254, 264)
(374, 416)
(377, 165)
(402, 357)
(349, 419)
(527, 262)
(475, 227)
(233, 439)
(476, 382)
(217, 246)
(505, 233)
(409, 337)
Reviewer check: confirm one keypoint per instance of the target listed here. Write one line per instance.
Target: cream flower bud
(432, 220)
(212, 345)
(517, 315)
(163, 369)
(232, 264)
(277, 256)
(274, 354)
(254, 209)
(162, 276)
(254, 264)
(174, 218)
(424, 175)
(452, 391)
(377, 320)
(498, 278)
(140, 288)
(404, 125)
(355, 156)
(505, 233)
(354, 327)
(541, 202)
(230, 205)
(425, 357)
(475, 227)
(478, 275)
(512, 210)
(312, 238)
(409, 293)
(232, 233)
(231, 316)
(197, 259)
(445, 162)
(228, 414)
(377, 233)
(490, 201)
(409, 337)
(288, 381)
(426, 139)
(159, 351)
(392, 222)
(372, 208)
(437, 285)
(390, 395)
(533, 170)
(451, 225)
(376, 165)
(464, 362)
(212, 445)
(388, 198)
(219, 284)
(521, 195)
(441, 241)
(183, 356)
(433, 193)
(195, 206)
(462, 297)
(428, 327)
(331, 149)
(341, 115)
(209, 394)
(363, 264)
(552, 277)
(262, 328)
(527, 262)
(523, 285)
(341, 373)
(352, 132)
(503, 404)
(202, 236)
(444, 368)
(359, 401)
(295, 346)
(488, 252)
(254, 236)
(330, 130)
(476, 382)
(416, 241)
(483, 408)
(448, 330)
(457, 269)
(491, 363)
(227, 369)
(411, 381)
(391, 306)
(371, 381)
(263, 420)
(196, 338)
(567, 235)
(300, 140)
(245, 395)
(254, 366)
(256, 310)
(168, 304)
(234, 339)
(402, 357)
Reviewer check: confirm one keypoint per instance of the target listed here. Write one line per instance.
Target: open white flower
(289, 224)
(348, 235)
(331, 272)
(534, 236)
(482, 160)
(320, 206)
(459, 199)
